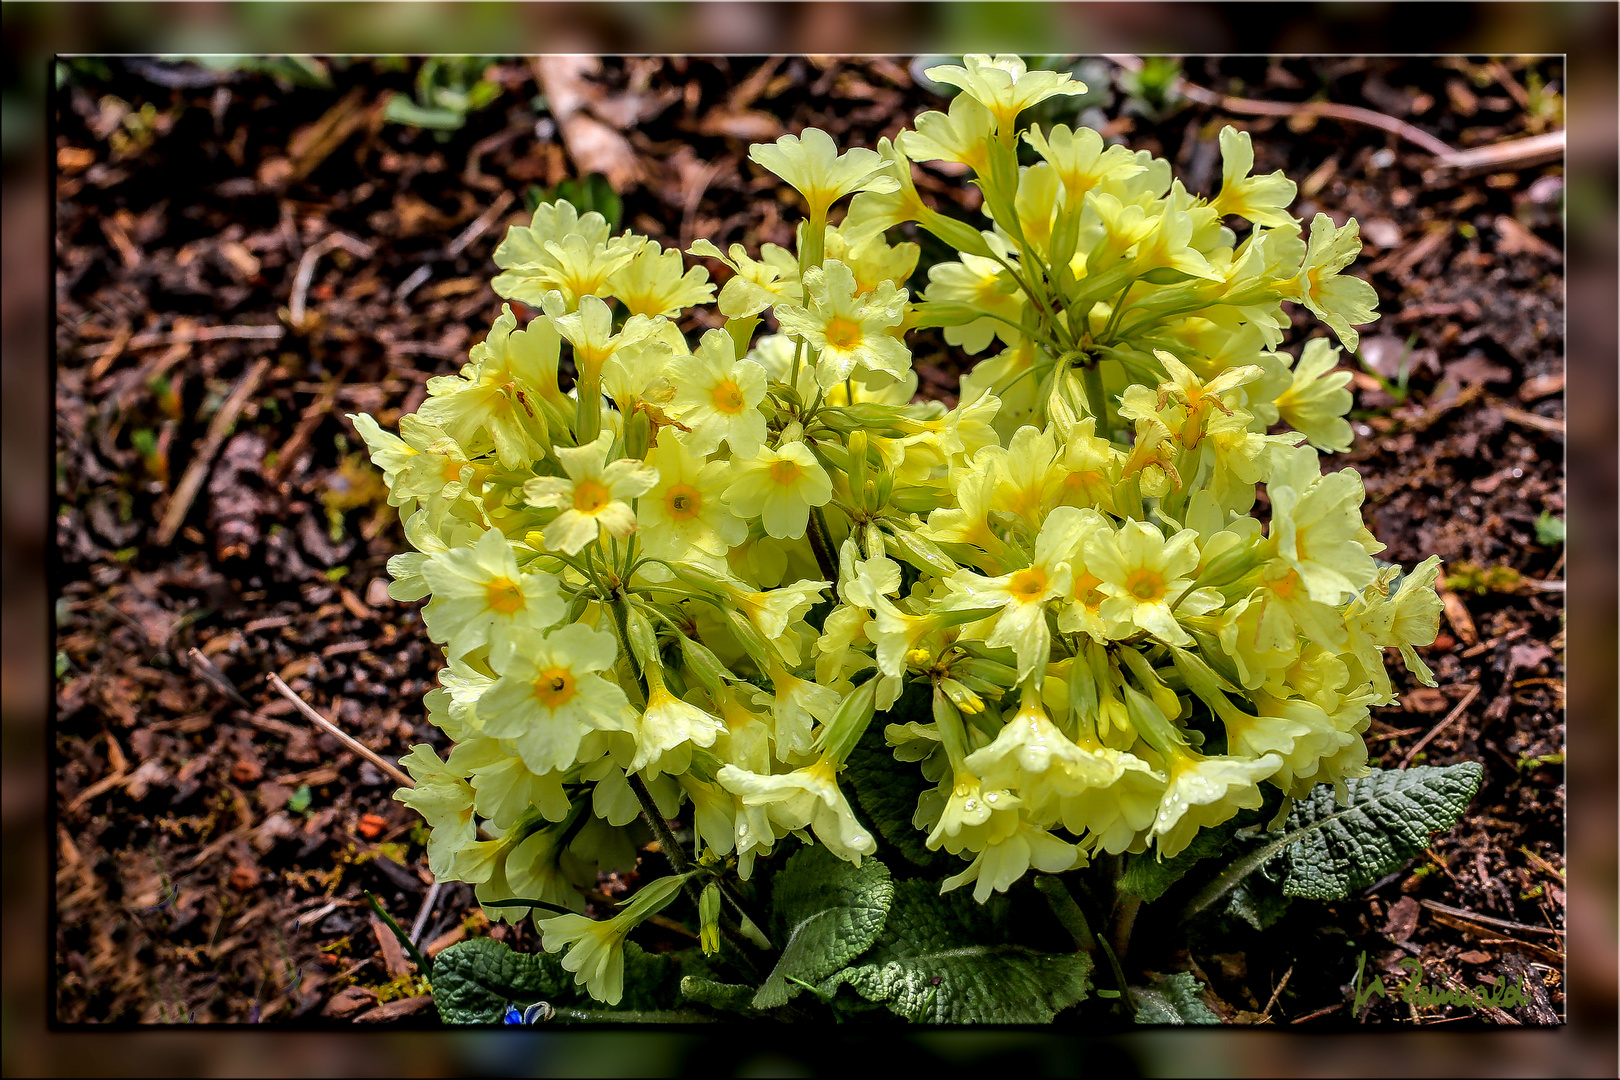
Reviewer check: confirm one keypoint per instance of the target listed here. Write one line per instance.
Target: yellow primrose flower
(656, 282)
(871, 259)
(1115, 818)
(1316, 400)
(668, 729)
(560, 251)
(444, 798)
(1263, 200)
(593, 496)
(1205, 791)
(1003, 861)
(978, 283)
(1005, 85)
(847, 329)
(755, 284)
(1082, 160)
(486, 404)
(684, 510)
(481, 597)
(549, 695)
(872, 212)
(959, 136)
(779, 487)
(812, 164)
(1337, 299)
(1316, 523)
(590, 331)
(807, 797)
(1142, 574)
(717, 397)
(506, 789)
(1032, 757)
(596, 948)
(1021, 596)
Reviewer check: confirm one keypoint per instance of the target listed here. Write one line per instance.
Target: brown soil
(212, 859)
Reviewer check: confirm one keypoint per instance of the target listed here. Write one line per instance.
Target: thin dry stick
(1352, 113)
(219, 427)
(201, 333)
(1275, 994)
(1473, 692)
(429, 902)
(338, 733)
(306, 269)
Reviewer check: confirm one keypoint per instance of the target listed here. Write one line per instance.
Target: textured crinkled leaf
(950, 960)
(1172, 999)
(1390, 817)
(731, 997)
(825, 913)
(1147, 876)
(1257, 903)
(474, 981)
(886, 796)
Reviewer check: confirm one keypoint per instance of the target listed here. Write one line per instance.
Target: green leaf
(886, 795)
(1259, 905)
(474, 981)
(826, 912)
(950, 960)
(1549, 530)
(730, 997)
(1147, 876)
(402, 110)
(1329, 850)
(1391, 815)
(1172, 999)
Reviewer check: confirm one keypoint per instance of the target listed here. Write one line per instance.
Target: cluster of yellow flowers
(688, 583)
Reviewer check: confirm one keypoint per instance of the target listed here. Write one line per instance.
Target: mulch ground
(241, 261)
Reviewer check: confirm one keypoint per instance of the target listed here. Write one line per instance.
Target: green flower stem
(1097, 398)
(1125, 911)
(679, 862)
(1073, 918)
(821, 544)
(630, 1016)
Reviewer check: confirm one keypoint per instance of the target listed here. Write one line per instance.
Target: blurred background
(1585, 32)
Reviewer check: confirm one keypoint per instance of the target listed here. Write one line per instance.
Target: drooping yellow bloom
(1005, 85)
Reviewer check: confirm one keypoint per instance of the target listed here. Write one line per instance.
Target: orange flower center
(786, 471)
(843, 333)
(1286, 585)
(554, 687)
(1145, 584)
(1028, 584)
(1086, 591)
(451, 473)
(683, 502)
(590, 496)
(503, 596)
(727, 397)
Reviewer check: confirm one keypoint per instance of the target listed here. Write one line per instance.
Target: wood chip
(395, 1010)
(220, 426)
(1457, 615)
(393, 953)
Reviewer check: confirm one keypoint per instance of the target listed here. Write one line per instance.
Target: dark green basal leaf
(825, 913)
(950, 960)
(1147, 877)
(1172, 999)
(730, 997)
(1391, 815)
(474, 981)
(1257, 903)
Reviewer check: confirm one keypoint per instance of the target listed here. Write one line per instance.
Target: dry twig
(394, 771)
(218, 428)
